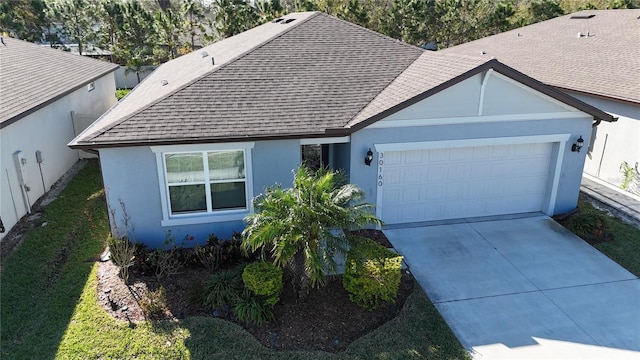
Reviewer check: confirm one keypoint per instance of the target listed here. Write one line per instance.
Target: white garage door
(437, 184)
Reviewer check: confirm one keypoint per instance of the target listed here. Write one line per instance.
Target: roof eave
(49, 101)
(600, 96)
(333, 132)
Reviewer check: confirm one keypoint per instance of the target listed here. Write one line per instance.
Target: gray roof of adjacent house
(308, 75)
(592, 51)
(32, 76)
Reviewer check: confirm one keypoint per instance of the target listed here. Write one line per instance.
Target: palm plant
(302, 228)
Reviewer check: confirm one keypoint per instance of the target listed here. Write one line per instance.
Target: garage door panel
(393, 158)
(464, 182)
(481, 153)
(438, 155)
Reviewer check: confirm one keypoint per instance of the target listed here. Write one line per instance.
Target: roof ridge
(103, 130)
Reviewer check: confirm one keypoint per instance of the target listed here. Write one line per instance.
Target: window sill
(233, 215)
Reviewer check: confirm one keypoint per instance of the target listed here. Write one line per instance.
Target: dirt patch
(327, 320)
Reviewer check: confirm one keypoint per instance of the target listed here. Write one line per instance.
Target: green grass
(625, 247)
(50, 310)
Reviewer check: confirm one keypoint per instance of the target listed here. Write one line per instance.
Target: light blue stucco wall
(131, 174)
(501, 97)
(570, 173)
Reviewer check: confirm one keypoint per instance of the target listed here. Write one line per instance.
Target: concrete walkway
(525, 289)
(617, 201)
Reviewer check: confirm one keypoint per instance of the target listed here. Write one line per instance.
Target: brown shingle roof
(316, 75)
(604, 61)
(32, 76)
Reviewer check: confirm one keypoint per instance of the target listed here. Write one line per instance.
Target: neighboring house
(443, 136)
(592, 55)
(40, 87)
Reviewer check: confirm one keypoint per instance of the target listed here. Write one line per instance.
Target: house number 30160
(380, 162)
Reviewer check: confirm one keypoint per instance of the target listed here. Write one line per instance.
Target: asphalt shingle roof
(604, 61)
(32, 76)
(312, 77)
(316, 75)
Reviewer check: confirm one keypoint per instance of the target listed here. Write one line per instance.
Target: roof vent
(204, 54)
(277, 20)
(519, 34)
(164, 82)
(213, 61)
(287, 21)
(483, 52)
(582, 16)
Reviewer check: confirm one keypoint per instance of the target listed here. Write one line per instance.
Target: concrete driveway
(525, 289)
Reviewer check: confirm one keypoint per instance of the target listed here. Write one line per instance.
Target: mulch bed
(326, 320)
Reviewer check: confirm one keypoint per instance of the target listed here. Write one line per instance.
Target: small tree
(301, 227)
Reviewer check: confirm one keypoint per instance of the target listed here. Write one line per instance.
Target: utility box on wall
(23, 178)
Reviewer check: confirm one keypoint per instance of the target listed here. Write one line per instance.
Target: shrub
(120, 93)
(265, 280)
(250, 308)
(170, 261)
(154, 305)
(218, 252)
(209, 256)
(372, 274)
(223, 288)
(589, 225)
(122, 254)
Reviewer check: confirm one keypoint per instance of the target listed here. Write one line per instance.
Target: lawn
(50, 309)
(625, 247)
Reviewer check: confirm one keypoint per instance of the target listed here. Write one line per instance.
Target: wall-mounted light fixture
(578, 145)
(369, 158)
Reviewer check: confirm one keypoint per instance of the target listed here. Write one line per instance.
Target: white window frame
(169, 219)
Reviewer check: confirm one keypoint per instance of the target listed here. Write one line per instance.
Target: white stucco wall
(614, 142)
(49, 129)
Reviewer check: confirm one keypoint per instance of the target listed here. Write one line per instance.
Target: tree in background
(407, 20)
(136, 47)
(168, 30)
(500, 19)
(269, 10)
(111, 16)
(79, 20)
(142, 32)
(354, 12)
(541, 10)
(233, 17)
(24, 19)
(194, 17)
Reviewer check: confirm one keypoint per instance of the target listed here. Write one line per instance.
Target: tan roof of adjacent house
(307, 75)
(593, 51)
(32, 76)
